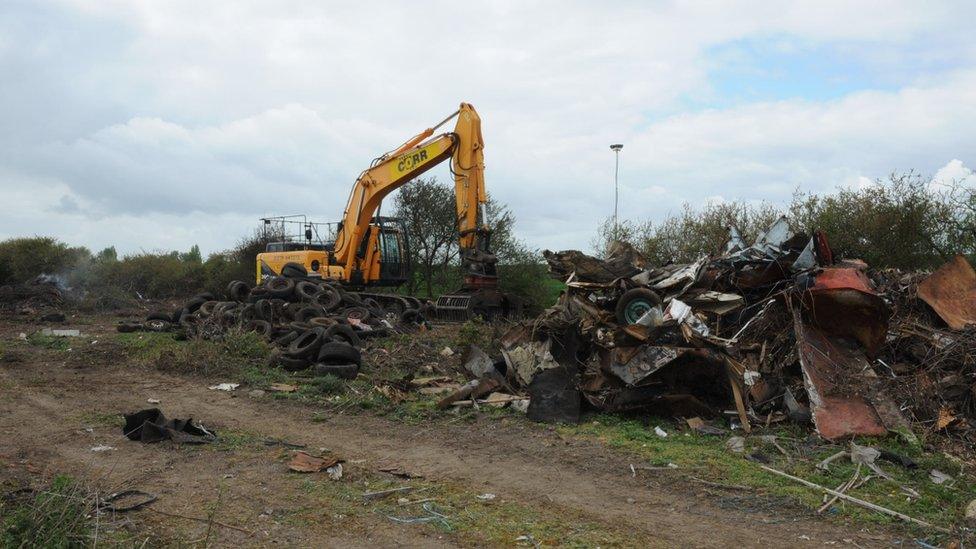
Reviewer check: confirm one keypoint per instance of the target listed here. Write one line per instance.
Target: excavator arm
(392, 170)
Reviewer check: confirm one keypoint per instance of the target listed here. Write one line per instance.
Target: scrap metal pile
(312, 323)
(764, 333)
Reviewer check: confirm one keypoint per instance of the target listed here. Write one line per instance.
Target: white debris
(102, 448)
(152, 400)
(660, 432)
(446, 351)
(486, 497)
(335, 472)
(224, 386)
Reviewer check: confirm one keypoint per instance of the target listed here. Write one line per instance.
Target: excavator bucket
(467, 303)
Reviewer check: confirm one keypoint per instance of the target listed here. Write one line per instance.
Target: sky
(154, 126)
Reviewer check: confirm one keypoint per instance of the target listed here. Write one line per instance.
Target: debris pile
(40, 297)
(769, 332)
(312, 323)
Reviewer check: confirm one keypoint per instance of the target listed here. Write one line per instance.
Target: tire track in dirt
(528, 465)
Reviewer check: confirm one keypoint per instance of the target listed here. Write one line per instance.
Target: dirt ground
(56, 406)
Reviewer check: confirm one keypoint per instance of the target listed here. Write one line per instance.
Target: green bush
(23, 259)
(899, 222)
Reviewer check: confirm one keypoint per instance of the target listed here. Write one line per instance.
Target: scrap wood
(842, 488)
(303, 462)
(861, 502)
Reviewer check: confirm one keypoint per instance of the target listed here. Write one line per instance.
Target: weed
(54, 343)
(236, 352)
(54, 517)
(328, 385)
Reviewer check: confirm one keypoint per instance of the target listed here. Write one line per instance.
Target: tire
(261, 327)
(352, 299)
(327, 298)
(177, 314)
(634, 303)
(247, 313)
(300, 327)
(357, 313)
(371, 303)
(206, 296)
(307, 313)
(337, 352)
(207, 308)
(285, 339)
(294, 270)
(374, 333)
(157, 325)
(394, 307)
(292, 364)
(237, 291)
(159, 315)
(305, 290)
(263, 310)
(280, 287)
(257, 293)
(345, 333)
(342, 371)
(194, 304)
(306, 344)
(322, 322)
(412, 316)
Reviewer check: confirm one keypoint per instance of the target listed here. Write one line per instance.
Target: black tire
(300, 327)
(207, 308)
(189, 321)
(371, 303)
(157, 325)
(177, 314)
(338, 352)
(261, 327)
(194, 304)
(374, 333)
(292, 364)
(306, 290)
(394, 307)
(257, 293)
(280, 287)
(345, 333)
(159, 315)
(352, 299)
(357, 313)
(285, 339)
(305, 314)
(307, 344)
(323, 322)
(342, 371)
(412, 316)
(247, 313)
(237, 291)
(263, 310)
(634, 303)
(328, 298)
(294, 270)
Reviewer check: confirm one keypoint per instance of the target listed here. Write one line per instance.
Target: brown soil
(47, 402)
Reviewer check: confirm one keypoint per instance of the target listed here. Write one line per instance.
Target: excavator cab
(384, 251)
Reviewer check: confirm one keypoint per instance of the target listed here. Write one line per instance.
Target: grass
(50, 342)
(707, 457)
(237, 353)
(57, 516)
(469, 521)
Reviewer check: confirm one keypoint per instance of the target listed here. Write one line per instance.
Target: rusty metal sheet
(837, 411)
(842, 302)
(951, 292)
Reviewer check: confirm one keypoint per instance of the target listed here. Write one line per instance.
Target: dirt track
(46, 406)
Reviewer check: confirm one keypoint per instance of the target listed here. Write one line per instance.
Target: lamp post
(616, 151)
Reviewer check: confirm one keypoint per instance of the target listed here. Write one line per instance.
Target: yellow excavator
(373, 251)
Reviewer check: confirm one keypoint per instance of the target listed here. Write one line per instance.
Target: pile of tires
(311, 323)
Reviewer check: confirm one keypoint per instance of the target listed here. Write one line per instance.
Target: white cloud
(202, 116)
